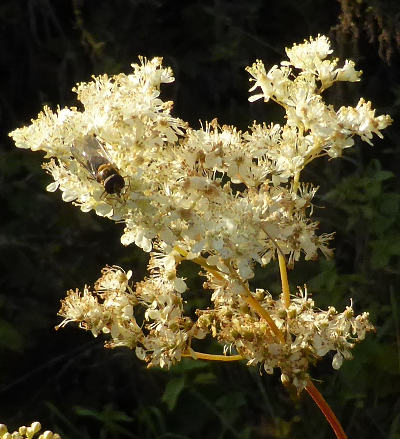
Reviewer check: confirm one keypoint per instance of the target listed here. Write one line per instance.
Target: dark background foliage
(66, 379)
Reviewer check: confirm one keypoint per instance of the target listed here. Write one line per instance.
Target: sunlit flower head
(215, 195)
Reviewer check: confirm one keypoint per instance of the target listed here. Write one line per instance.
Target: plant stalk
(284, 280)
(326, 410)
(212, 357)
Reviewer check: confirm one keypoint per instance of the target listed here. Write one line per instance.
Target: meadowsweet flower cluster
(217, 196)
(310, 333)
(27, 432)
(112, 307)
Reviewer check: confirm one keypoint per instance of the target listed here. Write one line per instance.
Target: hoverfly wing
(88, 154)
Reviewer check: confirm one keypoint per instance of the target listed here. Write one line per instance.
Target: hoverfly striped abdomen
(91, 154)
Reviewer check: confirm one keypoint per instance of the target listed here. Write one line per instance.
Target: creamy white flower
(217, 196)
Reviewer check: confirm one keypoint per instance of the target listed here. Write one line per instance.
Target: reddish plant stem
(326, 410)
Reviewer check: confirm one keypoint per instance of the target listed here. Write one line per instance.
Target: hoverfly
(91, 154)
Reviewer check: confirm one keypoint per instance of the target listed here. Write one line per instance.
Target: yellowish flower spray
(221, 198)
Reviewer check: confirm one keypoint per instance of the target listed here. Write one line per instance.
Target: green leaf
(188, 364)
(389, 203)
(10, 338)
(383, 250)
(205, 378)
(172, 392)
(231, 401)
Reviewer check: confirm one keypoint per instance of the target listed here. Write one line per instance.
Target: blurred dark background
(66, 379)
